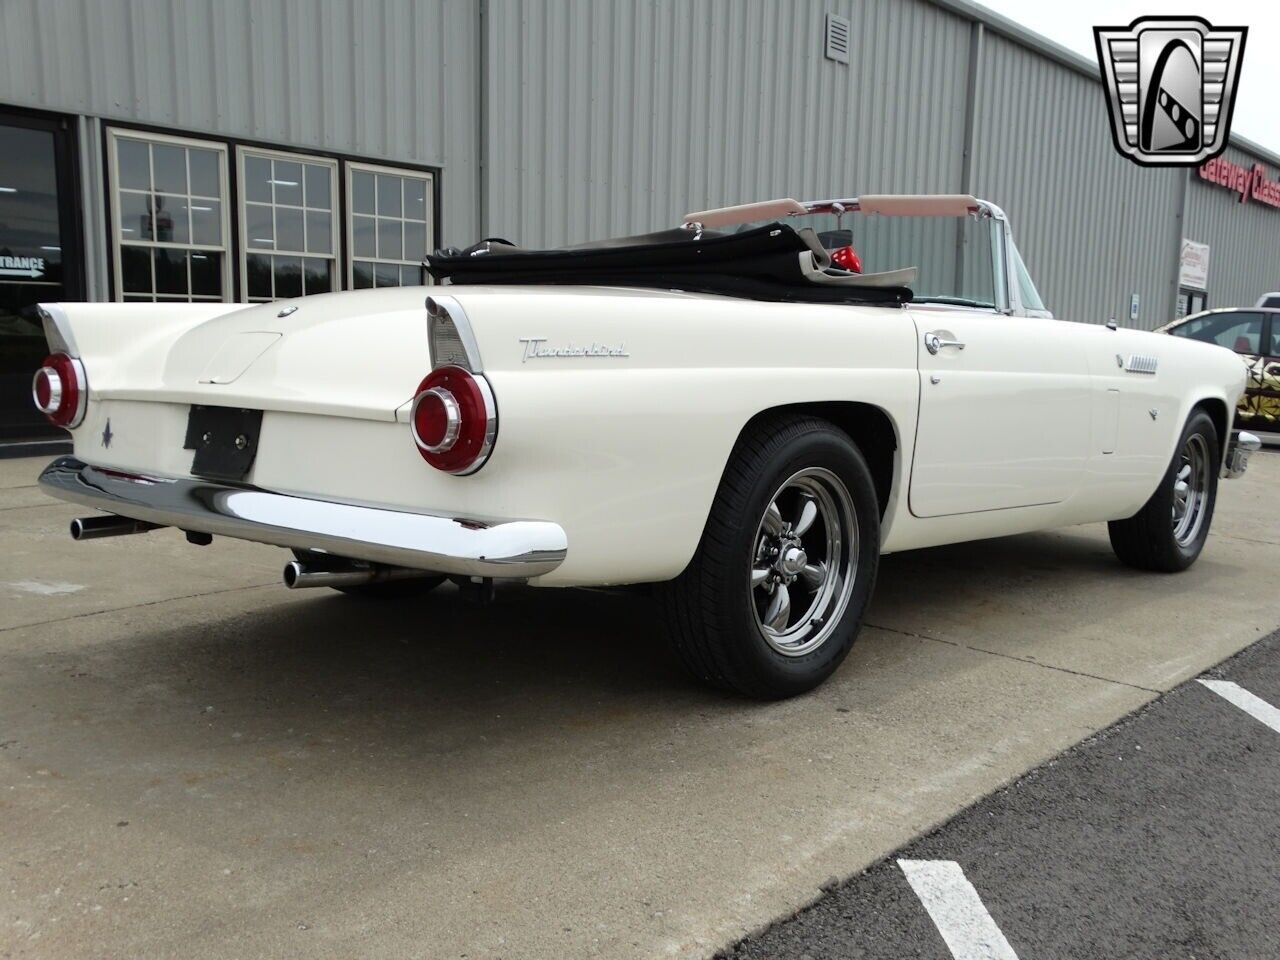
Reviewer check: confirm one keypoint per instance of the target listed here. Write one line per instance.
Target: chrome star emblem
(107, 434)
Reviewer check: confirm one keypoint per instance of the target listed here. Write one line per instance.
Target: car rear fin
(57, 329)
(451, 339)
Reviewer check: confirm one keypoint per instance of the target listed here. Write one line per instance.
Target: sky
(1071, 25)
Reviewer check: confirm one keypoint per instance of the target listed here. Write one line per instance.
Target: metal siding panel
(631, 112)
(1243, 238)
(611, 117)
(1093, 227)
(390, 80)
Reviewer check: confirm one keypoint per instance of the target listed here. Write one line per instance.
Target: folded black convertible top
(758, 264)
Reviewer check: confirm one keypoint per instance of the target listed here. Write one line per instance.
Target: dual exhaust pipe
(95, 528)
(298, 574)
(337, 572)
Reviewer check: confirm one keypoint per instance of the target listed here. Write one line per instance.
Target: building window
(170, 214)
(288, 230)
(390, 213)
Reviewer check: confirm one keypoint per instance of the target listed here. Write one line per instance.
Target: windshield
(1030, 296)
(952, 255)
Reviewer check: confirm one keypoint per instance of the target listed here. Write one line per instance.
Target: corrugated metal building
(255, 149)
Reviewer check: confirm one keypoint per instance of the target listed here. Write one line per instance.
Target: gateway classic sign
(1251, 183)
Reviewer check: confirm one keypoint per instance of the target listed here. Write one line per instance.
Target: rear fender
(123, 343)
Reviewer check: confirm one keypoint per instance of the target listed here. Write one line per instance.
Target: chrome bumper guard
(515, 549)
(1240, 446)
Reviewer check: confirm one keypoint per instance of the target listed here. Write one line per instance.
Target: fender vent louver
(1140, 363)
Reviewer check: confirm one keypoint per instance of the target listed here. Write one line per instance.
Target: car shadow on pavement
(539, 660)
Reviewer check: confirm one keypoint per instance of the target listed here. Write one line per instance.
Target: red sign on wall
(1250, 183)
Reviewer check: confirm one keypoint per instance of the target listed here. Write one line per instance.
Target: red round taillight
(454, 420)
(847, 258)
(59, 390)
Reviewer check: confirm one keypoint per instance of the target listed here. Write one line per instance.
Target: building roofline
(1041, 44)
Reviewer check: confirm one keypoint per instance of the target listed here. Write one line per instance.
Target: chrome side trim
(1242, 444)
(513, 549)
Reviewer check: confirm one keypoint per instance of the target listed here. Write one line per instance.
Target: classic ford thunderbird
(745, 411)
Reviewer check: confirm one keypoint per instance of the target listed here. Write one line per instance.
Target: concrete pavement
(197, 763)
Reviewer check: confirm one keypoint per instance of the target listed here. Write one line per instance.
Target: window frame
(242, 227)
(356, 166)
(114, 134)
(1224, 317)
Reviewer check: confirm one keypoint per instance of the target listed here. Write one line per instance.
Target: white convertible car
(747, 411)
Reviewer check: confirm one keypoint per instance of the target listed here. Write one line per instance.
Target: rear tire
(774, 596)
(1169, 532)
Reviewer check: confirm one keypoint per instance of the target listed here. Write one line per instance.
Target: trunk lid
(358, 354)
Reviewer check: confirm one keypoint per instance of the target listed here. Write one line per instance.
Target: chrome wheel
(805, 561)
(1191, 490)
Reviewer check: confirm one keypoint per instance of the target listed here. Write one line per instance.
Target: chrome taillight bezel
(452, 420)
(470, 394)
(68, 390)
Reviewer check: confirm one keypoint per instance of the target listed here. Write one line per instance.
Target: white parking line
(957, 910)
(1256, 707)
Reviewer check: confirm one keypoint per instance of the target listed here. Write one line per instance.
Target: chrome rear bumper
(515, 549)
(1239, 447)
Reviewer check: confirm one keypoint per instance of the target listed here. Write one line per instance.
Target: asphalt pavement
(1157, 838)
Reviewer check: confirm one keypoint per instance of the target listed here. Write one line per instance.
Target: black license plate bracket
(225, 440)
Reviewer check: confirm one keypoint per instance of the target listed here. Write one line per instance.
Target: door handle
(933, 343)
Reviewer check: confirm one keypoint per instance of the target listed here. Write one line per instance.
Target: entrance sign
(1193, 265)
(27, 267)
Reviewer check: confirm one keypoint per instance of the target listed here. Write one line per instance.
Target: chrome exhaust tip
(94, 528)
(336, 572)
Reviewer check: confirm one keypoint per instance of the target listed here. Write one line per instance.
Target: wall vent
(837, 38)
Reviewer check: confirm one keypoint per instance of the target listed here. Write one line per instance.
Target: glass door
(39, 257)
(1189, 301)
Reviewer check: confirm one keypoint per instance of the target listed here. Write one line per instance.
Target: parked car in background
(746, 410)
(1253, 333)
(1269, 300)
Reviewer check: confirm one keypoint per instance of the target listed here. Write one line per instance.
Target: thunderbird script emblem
(1171, 87)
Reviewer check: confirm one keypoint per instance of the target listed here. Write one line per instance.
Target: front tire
(1169, 532)
(774, 596)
